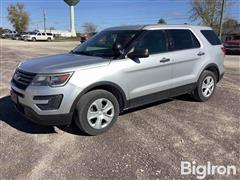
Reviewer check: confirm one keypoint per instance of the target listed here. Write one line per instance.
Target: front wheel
(97, 111)
(205, 87)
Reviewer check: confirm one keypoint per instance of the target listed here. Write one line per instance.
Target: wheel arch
(111, 87)
(213, 68)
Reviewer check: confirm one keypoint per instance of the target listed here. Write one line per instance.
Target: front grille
(22, 79)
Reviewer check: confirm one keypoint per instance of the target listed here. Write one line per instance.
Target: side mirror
(138, 53)
(117, 49)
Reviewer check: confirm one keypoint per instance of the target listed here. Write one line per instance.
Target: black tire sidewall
(82, 108)
(200, 82)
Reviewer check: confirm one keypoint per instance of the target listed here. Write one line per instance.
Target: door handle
(163, 60)
(201, 53)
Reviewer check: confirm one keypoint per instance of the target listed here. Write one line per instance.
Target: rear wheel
(33, 39)
(205, 87)
(97, 111)
(49, 39)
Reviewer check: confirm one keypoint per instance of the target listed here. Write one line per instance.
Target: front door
(148, 78)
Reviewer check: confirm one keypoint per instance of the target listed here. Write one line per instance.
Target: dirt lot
(147, 143)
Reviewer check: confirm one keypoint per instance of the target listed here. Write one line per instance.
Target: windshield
(102, 43)
(236, 37)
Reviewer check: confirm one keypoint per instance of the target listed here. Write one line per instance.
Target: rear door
(187, 55)
(44, 36)
(147, 77)
(39, 36)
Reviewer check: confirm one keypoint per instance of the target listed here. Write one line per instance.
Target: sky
(106, 13)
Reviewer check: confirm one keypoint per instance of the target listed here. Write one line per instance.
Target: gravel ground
(145, 143)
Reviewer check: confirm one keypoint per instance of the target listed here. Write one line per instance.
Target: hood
(235, 42)
(62, 63)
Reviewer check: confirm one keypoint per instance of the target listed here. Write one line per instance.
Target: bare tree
(162, 21)
(18, 17)
(89, 27)
(207, 11)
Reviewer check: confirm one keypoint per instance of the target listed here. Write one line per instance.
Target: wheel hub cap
(100, 113)
(208, 86)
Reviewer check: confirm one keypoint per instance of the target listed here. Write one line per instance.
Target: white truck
(38, 36)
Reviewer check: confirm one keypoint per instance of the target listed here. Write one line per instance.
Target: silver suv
(119, 68)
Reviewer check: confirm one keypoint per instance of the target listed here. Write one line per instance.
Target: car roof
(155, 26)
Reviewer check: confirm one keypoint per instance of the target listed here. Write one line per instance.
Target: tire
(88, 107)
(33, 39)
(49, 39)
(204, 91)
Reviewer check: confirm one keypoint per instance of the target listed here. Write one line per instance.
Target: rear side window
(181, 39)
(154, 40)
(211, 37)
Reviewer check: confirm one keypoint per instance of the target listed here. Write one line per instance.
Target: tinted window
(155, 41)
(211, 37)
(196, 43)
(182, 39)
(102, 44)
(236, 37)
(49, 34)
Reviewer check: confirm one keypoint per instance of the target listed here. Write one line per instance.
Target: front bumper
(54, 120)
(29, 106)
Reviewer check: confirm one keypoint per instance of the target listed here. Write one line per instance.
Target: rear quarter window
(211, 36)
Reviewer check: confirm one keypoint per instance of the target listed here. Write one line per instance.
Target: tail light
(224, 50)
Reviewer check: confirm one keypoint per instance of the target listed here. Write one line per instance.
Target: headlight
(53, 80)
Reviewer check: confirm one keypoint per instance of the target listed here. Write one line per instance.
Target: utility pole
(44, 19)
(221, 19)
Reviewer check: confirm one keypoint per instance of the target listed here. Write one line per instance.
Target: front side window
(102, 43)
(182, 39)
(154, 40)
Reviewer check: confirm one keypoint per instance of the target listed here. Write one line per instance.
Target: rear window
(183, 39)
(211, 37)
(49, 34)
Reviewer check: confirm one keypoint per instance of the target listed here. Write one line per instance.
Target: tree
(18, 17)
(207, 11)
(1, 30)
(162, 21)
(89, 27)
(230, 26)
